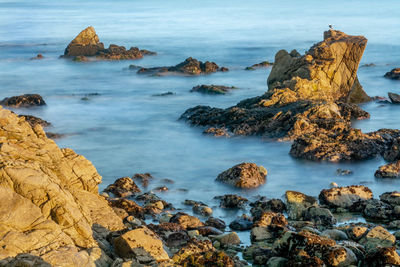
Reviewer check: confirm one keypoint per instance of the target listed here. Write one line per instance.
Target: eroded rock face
(244, 175)
(87, 44)
(28, 100)
(327, 71)
(190, 66)
(49, 196)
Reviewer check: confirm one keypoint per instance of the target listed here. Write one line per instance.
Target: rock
(271, 219)
(38, 56)
(263, 64)
(209, 230)
(335, 234)
(228, 239)
(341, 172)
(169, 93)
(81, 59)
(212, 89)
(190, 66)
(277, 262)
(202, 210)
(217, 223)
(244, 175)
(140, 238)
(87, 43)
(130, 206)
(344, 197)
(33, 121)
(386, 256)
(186, 221)
(261, 206)
(25, 260)
(357, 232)
(49, 197)
(123, 187)
(143, 178)
(391, 170)
(377, 210)
(327, 71)
(392, 198)
(395, 98)
(297, 203)
(378, 237)
(232, 201)
(394, 74)
(28, 100)
(217, 132)
(242, 223)
(393, 152)
(319, 216)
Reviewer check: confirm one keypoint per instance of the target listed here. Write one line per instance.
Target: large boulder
(328, 71)
(49, 197)
(344, 197)
(244, 175)
(86, 43)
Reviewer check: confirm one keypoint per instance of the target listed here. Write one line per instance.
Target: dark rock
(165, 94)
(143, 178)
(386, 256)
(52, 135)
(263, 64)
(33, 121)
(209, 230)
(272, 220)
(319, 216)
(261, 206)
(297, 203)
(232, 201)
(391, 170)
(259, 255)
(190, 66)
(242, 223)
(123, 187)
(212, 89)
(393, 152)
(186, 221)
(375, 209)
(344, 197)
(28, 100)
(395, 98)
(392, 198)
(342, 172)
(38, 56)
(24, 260)
(217, 132)
(244, 175)
(368, 65)
(161, 189)
(394, 74)
(217, 223)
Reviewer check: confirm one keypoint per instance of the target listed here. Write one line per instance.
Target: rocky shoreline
(51, 212)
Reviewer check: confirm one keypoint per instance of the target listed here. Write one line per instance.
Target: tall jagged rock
(86, 43)
(328, 71)
(49, 198)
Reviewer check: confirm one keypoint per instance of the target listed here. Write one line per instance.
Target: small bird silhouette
(330, 26)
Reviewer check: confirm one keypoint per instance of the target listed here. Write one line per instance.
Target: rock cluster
(87, 44)
(190, 66)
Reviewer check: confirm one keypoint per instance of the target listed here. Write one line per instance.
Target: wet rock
(297, 203)
(277, 262)
(38, 56)
(391, 170)
(24, 260)
(217, 132)
(378, 237)
(123, 187)
(228, 239)
(393, 152)
(165, 94)
(232, 201)
(87, 43)
(212, 89)
(140, 238)
(130, 207)
(319, 216)
(344, 197)
(190, 66)
(261, 233)
(242, 223)
(258, 254)
(186, 221)
(272, 220)
(263, 64)
(395, 98)
(342, 172)
(161, 189)
(394, 74)
(357, 232)
(143, 178)
(392, 198)
(203, 210)
(49, 198)
(261, 206)
(28, 100)
(377, 210)
(244, 175)
(335, 234)
(217, 223)
(209, 230)
(33, 121)
(386, 256)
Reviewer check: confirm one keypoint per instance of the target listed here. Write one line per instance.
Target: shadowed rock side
(27, 100)
(49, 199)
(394, 74)
(311, 100)
(190, 66)
(87, 44)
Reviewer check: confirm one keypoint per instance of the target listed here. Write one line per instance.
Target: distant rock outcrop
(50, 206)
(87, 44)
(212, 89)
(394, 74)
(28, 100)
(190, 66)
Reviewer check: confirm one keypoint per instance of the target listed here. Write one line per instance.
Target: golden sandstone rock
(49, 198)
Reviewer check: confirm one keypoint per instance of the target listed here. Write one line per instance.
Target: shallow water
(126, 130)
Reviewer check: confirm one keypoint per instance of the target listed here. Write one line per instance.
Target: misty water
(126, 130)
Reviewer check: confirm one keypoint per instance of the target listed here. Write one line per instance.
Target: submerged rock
(394, 74)
(232, 201)
(244, 175)
(28, 100)
(87, 44)
(263, 64)
(49, 197)
(190, 66)
(212, 89)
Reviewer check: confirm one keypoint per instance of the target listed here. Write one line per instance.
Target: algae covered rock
(27, 100)
(244, 175)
